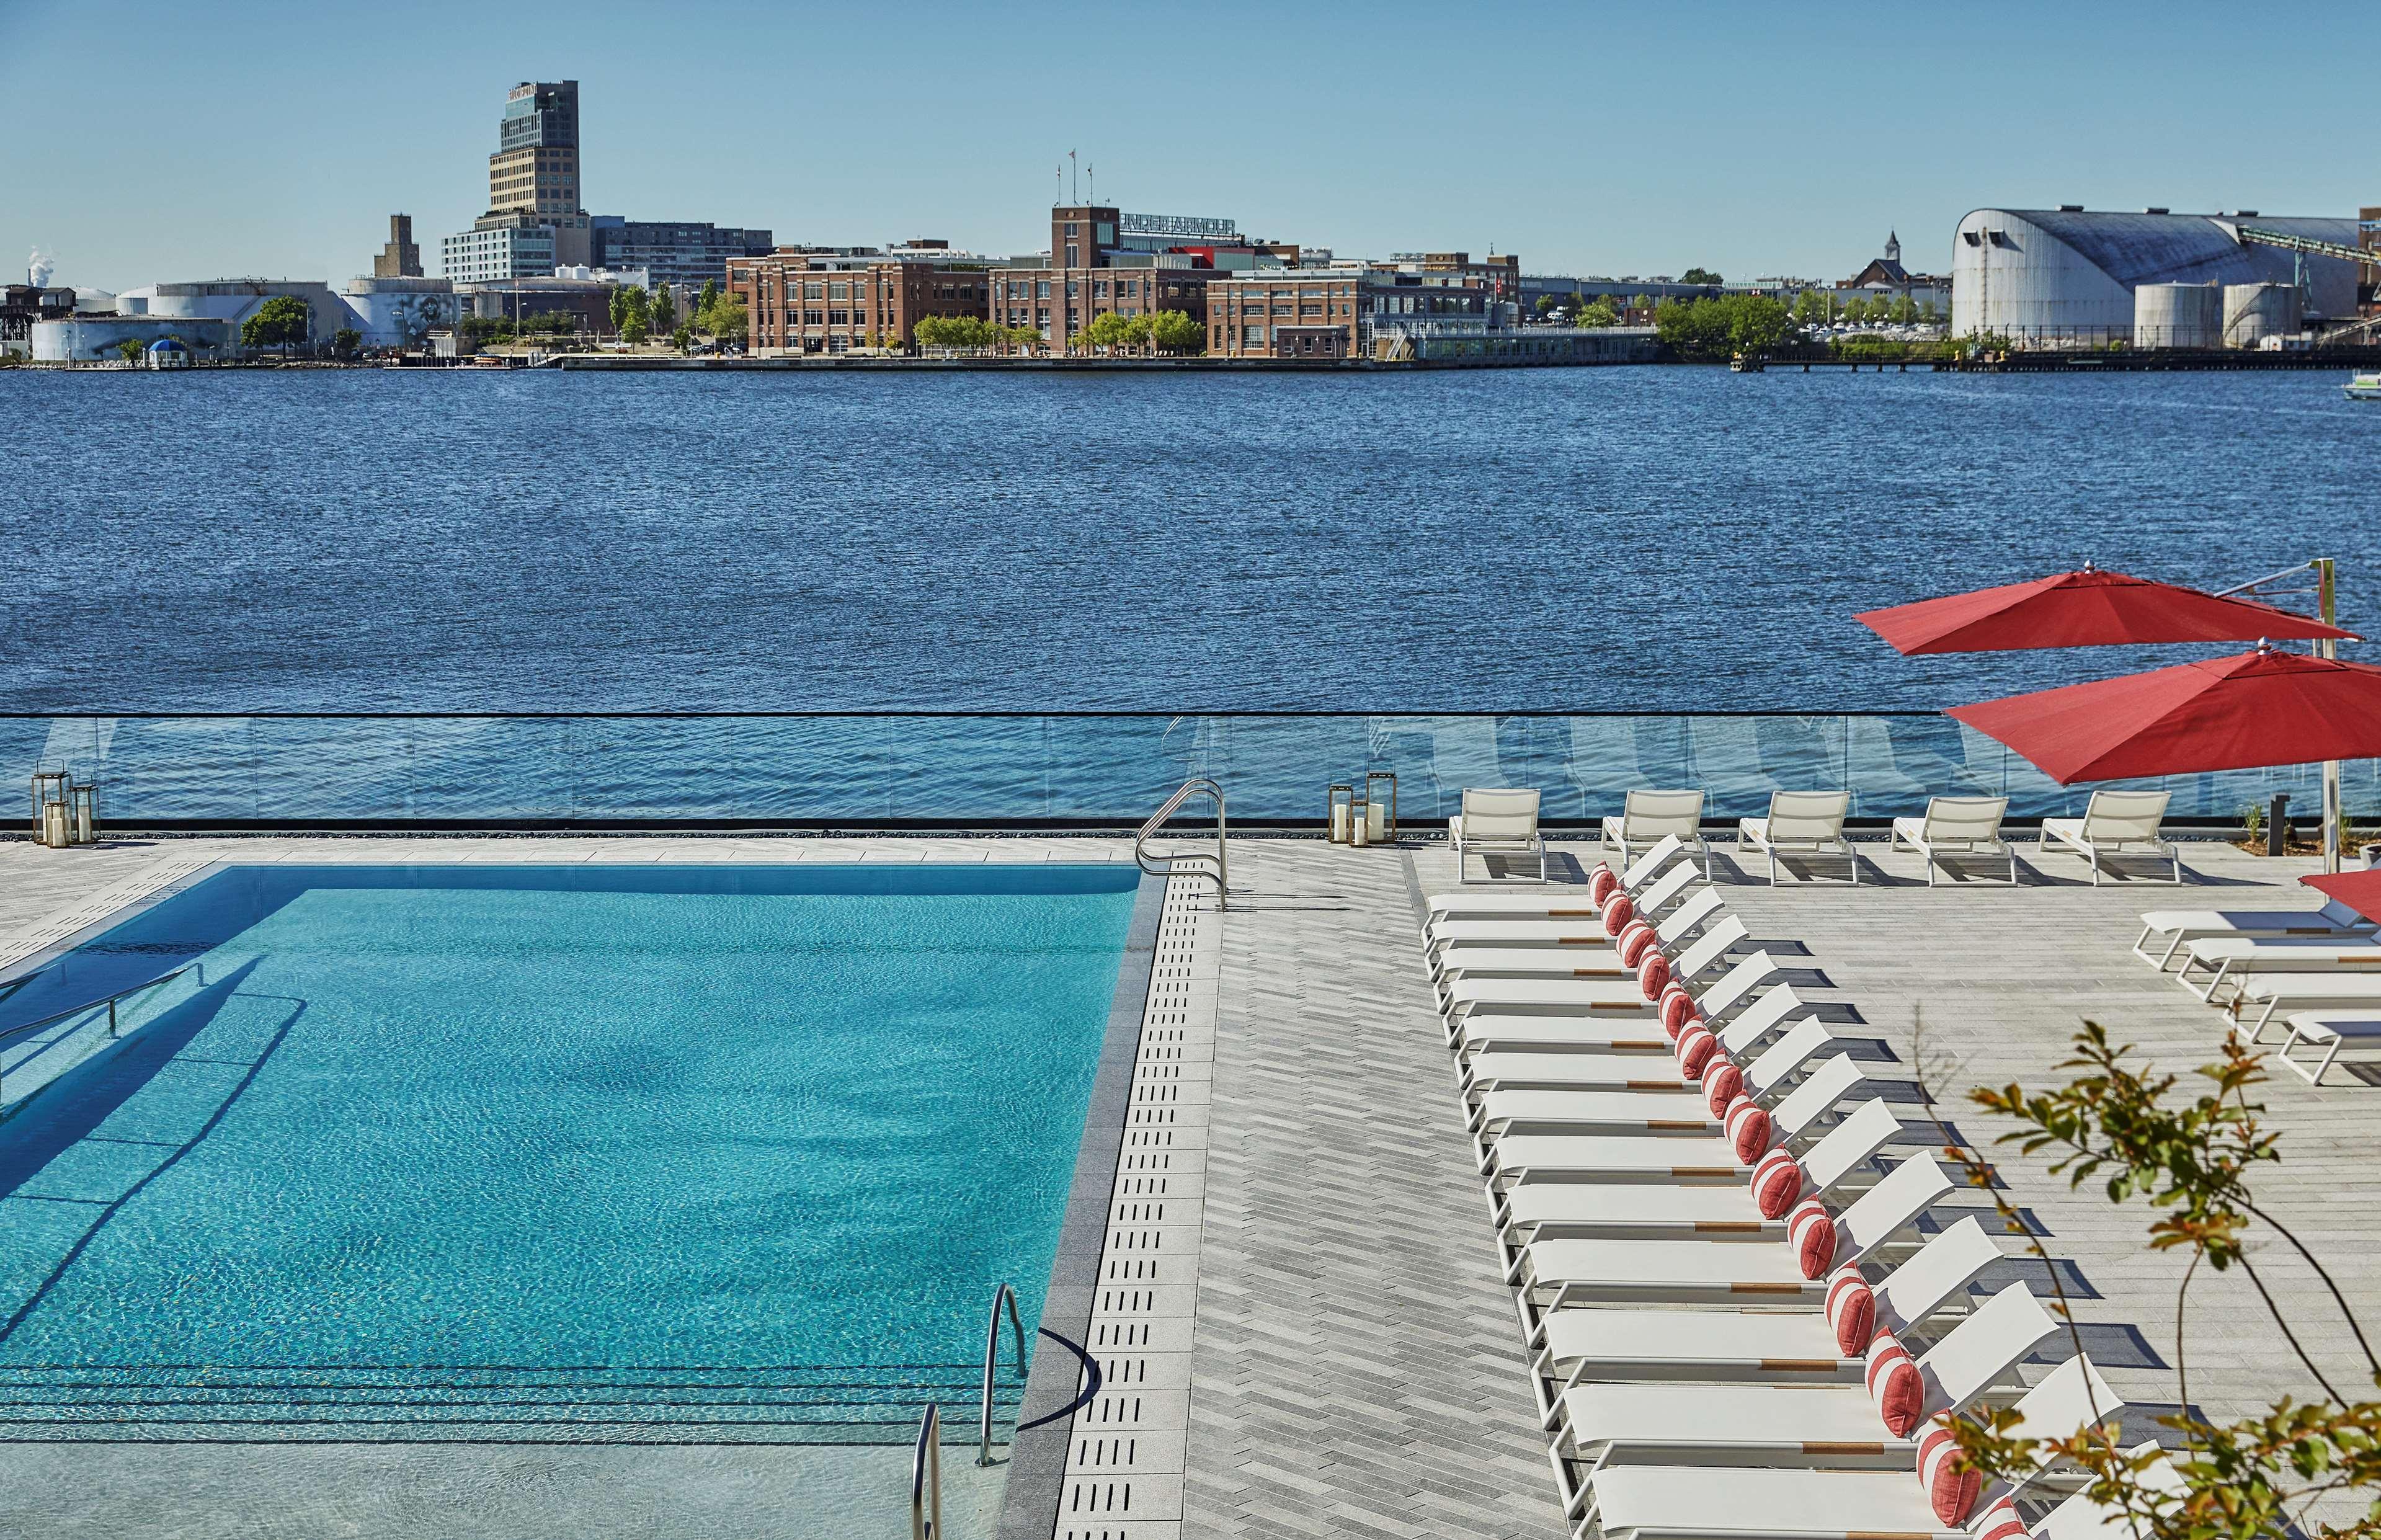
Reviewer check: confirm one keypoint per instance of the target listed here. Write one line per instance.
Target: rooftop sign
(1191, 226)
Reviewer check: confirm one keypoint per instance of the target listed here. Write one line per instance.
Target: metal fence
(996, 770)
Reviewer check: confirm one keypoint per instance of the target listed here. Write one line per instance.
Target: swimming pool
(589, 1153)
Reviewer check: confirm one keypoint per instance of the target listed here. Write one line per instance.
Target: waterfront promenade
(1353, 1362)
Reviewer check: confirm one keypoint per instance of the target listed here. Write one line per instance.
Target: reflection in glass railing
(1104, 769)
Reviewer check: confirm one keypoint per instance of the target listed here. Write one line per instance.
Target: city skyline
(1588, 145)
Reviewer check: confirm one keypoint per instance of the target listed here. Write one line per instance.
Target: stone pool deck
(1354, 1362)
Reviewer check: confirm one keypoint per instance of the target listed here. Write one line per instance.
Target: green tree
(1905, 309)
(281, 322)
(2193, 1161)
(636, 321)
(726, 319)
(619, 308)
(1546, 305)
(1598, 313)
(662, 309)
(1106, 330)
(1175, 332)
(1748, 323)
(1578, 304)
(709, 297)
(129, 350)
(1700, 275)
(346, 343)
(683, 338)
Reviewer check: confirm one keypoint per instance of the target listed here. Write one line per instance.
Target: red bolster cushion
(1617, 912)
(1776, 1182)
(1635, 942)
(1894, 1384)
(1748, 1133)
(1678, 1009)
(1696, 1048)
(1810, 1231)
(1600, 884)
(1952, 1484)
(1723, 1083)
(2000, 1522)
(1851, 1309)
(1653, 973)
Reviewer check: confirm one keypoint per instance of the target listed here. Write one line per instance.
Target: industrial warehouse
(2070, 279)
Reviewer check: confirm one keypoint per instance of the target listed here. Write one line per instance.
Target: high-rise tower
(534, 171)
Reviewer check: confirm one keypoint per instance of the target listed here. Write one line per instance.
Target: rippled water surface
(731, 1151)
(1648, 539)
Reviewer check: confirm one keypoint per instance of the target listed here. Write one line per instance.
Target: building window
(1042, 289)
(815, 291)
(839, 291)
(1253, 336)
(1074, 255)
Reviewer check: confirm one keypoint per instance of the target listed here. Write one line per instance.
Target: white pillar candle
(54, 824)
(1340, 823)
(1376, 822)
(1362, 837)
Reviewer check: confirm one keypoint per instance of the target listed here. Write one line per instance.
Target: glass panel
(1112, 769)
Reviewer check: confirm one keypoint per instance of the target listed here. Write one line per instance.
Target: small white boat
(2364, 387)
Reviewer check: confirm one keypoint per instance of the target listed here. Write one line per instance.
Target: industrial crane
(2368, 262)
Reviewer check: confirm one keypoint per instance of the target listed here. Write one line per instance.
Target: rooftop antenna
(1060, 196)
(1075, 184)
(1092, 174)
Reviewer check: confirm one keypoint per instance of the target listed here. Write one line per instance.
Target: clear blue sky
(154, 141)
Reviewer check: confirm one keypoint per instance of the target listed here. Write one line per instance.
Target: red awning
(2359, 890)
(2090, 608)
(2236, 712)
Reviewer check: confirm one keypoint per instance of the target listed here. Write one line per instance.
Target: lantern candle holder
(51, 823)
(1380, 817)
(1342, 800)
(82, 812)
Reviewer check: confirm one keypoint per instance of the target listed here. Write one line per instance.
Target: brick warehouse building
(1329, 314)
(831, 301)
(1093, 273)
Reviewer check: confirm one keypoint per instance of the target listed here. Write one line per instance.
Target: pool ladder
(1212, 867)
(926, 1456)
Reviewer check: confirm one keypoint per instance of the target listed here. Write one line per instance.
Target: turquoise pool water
(706, 1152)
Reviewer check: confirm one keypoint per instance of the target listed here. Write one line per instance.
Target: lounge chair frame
(2114, 822)
(1649, 817)
(1500, 821)
(1970, 825)
(1807, 822)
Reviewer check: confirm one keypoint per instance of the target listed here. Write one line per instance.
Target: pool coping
(1037, 1456)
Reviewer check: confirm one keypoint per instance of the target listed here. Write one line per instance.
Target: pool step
(806, 1404)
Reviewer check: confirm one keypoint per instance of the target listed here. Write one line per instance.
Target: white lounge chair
(1558, 1274)
(1827, 1427)
(2113, 822)
(1508, 1070)
(1563, 901)
(1649, 817)
(2176, 926)
(1616, 1342)
(1804, 820)
(2078, 1518)
(2280, 992)
(1497, 821)
(2326, 1032)
(1697, 1502)
(1558, 954)
(1657, 1208)
(1499, 1032)
(2070, 1398)
(1572, 996)
(1680, 1151)
(1637, 872)
(2232, 958)
(1967, 826)
(1732, 988)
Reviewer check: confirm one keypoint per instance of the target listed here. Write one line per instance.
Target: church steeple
(1892, 246)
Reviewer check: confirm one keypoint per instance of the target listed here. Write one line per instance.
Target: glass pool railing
(1087, 770)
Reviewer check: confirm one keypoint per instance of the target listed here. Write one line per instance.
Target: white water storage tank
(2255, 312)
(2177, 315)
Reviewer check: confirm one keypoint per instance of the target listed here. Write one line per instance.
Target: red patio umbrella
(2359, 890)
(2236, 713)
(2090, 608)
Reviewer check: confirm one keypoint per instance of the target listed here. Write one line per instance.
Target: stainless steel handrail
(109, 1001)
(1007, 1296)
(1193, 863)
(926, 1478)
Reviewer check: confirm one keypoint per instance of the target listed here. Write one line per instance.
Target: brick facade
(813, 302)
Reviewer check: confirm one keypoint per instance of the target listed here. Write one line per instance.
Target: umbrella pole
(2330, 649)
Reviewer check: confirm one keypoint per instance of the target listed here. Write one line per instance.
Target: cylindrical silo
(2177, 315)
(2254, 311)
